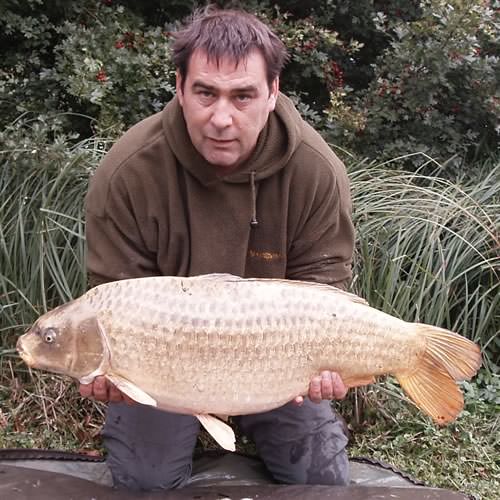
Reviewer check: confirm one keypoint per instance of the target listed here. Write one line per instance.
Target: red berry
(101, 76)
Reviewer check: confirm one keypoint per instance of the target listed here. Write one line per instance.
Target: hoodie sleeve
(322, 245)
(119, 238)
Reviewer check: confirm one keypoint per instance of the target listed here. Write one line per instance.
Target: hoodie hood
(275, 146)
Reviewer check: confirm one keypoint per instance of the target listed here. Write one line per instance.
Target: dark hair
(228, 33)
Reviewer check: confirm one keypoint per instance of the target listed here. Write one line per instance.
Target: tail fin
(448, 358)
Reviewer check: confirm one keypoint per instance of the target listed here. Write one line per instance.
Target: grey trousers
(150, 449)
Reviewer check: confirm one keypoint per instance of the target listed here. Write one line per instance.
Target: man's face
(226, 106)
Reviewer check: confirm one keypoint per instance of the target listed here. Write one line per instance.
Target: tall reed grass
(428, 249)
(42, 183)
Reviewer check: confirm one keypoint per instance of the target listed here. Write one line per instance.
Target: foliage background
(407, 94)
(380, 78)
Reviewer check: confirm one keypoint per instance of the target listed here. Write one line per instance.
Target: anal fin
(221, 432)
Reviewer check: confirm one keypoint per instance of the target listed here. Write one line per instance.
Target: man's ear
(273, 95)
(178, 87)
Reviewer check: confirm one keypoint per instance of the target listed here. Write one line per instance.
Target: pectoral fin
(220, 431)
(131, 390)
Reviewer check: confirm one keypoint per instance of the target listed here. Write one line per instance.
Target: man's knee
(332, 469)
(303, 445)
(320, 458)
(141, 475)
(148, 449)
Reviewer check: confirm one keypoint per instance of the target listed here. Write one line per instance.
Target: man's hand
(328, 385)
(103, 390)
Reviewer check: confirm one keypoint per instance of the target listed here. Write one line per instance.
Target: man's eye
(243, 98)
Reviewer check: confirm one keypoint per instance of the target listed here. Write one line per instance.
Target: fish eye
(49, 335)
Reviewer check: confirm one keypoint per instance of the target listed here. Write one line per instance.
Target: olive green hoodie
(156, 207)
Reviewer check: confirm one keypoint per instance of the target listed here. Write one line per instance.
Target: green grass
(40, 410)
(463, 456)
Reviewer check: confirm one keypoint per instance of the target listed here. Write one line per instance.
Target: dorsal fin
(327, 288)
(320, 286)
(217, 277)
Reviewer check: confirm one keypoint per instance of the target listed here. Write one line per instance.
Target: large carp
(223, 345)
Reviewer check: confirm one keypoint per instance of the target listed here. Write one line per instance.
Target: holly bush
(120, 71)
(434, 88)
(104, 64)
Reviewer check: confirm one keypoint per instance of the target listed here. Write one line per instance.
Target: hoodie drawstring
(253, 222)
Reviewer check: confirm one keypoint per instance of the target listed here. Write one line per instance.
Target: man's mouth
(221, 142)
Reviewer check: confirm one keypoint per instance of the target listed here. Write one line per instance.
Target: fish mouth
(25, 356)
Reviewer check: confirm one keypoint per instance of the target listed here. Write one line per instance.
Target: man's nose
(221, 115)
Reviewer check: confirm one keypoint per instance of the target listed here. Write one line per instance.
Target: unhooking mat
(42, 474)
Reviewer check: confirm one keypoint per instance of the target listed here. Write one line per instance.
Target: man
(227, 178)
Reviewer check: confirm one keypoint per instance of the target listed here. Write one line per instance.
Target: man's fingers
(326, 385)
(298, 401)
(315, 390)
(339, 388)
(101, 392)
(86, 390)
(115, 394)
(128, 399)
